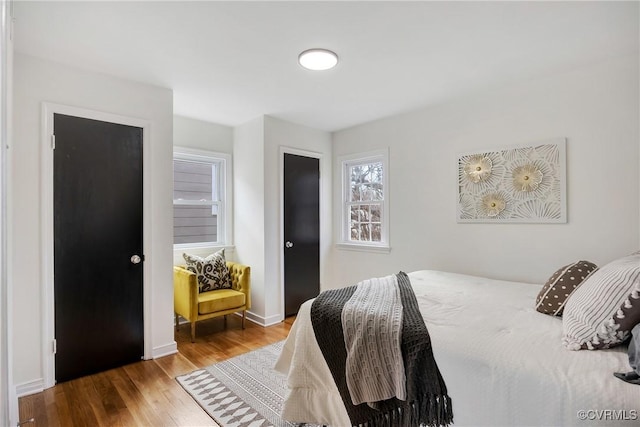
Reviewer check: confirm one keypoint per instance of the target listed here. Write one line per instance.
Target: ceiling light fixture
(318, 59)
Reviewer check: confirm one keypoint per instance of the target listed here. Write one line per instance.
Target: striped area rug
(243, 391)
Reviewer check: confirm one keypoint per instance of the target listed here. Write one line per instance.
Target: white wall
(37, 81)
(596, 108)
(257, 223)
(248, 208)
(192, 133)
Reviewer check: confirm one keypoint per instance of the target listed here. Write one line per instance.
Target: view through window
(197, 200)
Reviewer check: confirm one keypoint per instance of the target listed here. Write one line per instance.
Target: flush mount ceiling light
(318, 59)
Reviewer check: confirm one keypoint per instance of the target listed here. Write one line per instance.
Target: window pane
(354, 223)
(365, 223)
(355, 232)
(376, 232)
(194, 224)
(365, 232)
(360, 213)
(354, 216)
(366, 182)
(194, 180)
(375, 213)
(363, 212)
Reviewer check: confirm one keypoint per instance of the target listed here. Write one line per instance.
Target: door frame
(46, 224)
(8, 398)
(305, 153)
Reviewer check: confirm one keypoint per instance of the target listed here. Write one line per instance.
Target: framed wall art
(523, 184)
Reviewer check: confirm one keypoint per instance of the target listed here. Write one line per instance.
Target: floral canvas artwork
(523, 184)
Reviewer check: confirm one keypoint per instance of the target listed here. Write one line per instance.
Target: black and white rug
(244, 391)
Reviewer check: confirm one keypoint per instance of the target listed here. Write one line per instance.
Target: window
(365, 200)
(200, 205)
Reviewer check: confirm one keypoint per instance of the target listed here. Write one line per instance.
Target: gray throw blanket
(372, 329)
(427, 401)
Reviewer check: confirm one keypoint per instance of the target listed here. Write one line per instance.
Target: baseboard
(252, 317)
(164, 350)
(264, 321)
(30, 387)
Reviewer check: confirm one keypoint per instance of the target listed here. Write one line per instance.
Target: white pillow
(602, 312)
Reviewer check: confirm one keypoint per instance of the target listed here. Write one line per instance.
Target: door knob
(135, 259)
(288, 244)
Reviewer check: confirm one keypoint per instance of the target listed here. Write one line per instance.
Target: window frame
(224, 202)
(346, 162)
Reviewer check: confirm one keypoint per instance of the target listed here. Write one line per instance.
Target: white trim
(363, 248)
(226, 188)
(30, 387)
(46, 223)
(8, 399)
(264, 321)
(165, 350)
(305, 153)
(195, 202)
(359, 158)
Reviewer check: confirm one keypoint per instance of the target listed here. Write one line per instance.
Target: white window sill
(363, 248)
(200, 246)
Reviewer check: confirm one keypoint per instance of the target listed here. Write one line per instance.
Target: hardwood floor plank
(52, 415)
(116, 410)
(184, 410)
(81, 410)
(146, 377)
(142, 413)
(146, 393)
(33, 407)
(175, 364)
(62, 406)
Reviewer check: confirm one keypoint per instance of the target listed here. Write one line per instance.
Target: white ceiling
(229, 62)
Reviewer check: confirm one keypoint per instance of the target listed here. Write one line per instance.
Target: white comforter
(503, 362)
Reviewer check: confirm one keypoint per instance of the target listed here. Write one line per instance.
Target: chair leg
(193, 331)
(225, 321)
(244, 316)
(177, 322)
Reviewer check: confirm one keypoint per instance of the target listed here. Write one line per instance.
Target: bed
(503, 362)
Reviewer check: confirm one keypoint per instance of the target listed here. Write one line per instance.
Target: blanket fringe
(432, 411)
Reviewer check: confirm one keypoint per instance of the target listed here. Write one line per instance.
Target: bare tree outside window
(366, 201)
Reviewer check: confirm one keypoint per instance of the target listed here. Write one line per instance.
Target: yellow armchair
(194, 306)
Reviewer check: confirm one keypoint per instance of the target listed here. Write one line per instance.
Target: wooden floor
(146, 393)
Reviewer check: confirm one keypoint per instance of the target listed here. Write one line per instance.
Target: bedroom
(586, 92)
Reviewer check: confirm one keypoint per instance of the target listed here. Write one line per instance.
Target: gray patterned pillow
(602, 312)
(212, 271)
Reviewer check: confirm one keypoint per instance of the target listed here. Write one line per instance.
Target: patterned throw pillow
(555, 293)
(212, 271)
(602, 312)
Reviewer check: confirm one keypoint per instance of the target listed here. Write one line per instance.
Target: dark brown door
(301, 230)
(98, 288)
